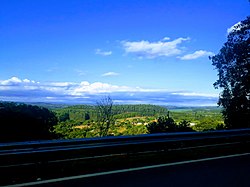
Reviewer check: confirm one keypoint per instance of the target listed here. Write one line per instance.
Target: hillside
(82, 113)
(81, 120)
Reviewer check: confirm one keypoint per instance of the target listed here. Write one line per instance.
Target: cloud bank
(148, 49)
(25, 90)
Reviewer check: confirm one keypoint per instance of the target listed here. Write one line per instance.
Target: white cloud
(166, 38)
(97, 87)
(234, 27)
(103, 53)
(11, 81)
(110, 74)
(196, 54)
(154, 49)
(195, 94)
(63, 88)
(16, 89)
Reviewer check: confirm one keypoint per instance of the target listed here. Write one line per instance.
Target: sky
(137, 52)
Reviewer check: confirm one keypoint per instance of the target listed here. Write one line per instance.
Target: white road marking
(126, 170)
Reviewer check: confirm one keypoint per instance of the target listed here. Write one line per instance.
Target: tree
(163, 124)
(87, 116)
(233, 65)
(21, 122)
(105, 115)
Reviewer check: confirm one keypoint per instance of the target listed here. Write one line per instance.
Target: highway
(231, 170)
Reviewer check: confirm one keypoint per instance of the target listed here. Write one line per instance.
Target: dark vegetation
(167, 124)
(233, 65)
(21, 122)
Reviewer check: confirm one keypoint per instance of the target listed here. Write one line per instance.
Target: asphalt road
(233, 170)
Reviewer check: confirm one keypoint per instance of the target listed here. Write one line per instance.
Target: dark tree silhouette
(86, 116)
(167, 124)
(21, 122)
(233, 65)
(163, 124)
(184, 126)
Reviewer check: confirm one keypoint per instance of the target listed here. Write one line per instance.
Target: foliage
(139, 110)
(129, 120)
(208, 124)
(184, 126)
(233, 65)
(163, 124)
(68, 130)
(82, 113)
(24, 121)
(105, 115)
(195, 115)
(63, 117)
(21, 122)
(167, 124)
(133, 120)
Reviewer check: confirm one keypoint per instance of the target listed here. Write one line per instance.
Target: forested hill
(22, 122)
(88, 112)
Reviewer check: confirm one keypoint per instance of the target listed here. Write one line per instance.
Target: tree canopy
(167, 124)
(233, 65)
(21, 122)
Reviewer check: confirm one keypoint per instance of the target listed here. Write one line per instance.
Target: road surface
(231, 170)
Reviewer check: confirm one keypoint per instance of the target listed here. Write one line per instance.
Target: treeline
(22, 122)
(82, 113)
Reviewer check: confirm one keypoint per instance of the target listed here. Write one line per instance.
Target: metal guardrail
(11, 153)
(87, 141)
(39, 157)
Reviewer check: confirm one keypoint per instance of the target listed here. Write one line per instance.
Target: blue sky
(140, 51)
